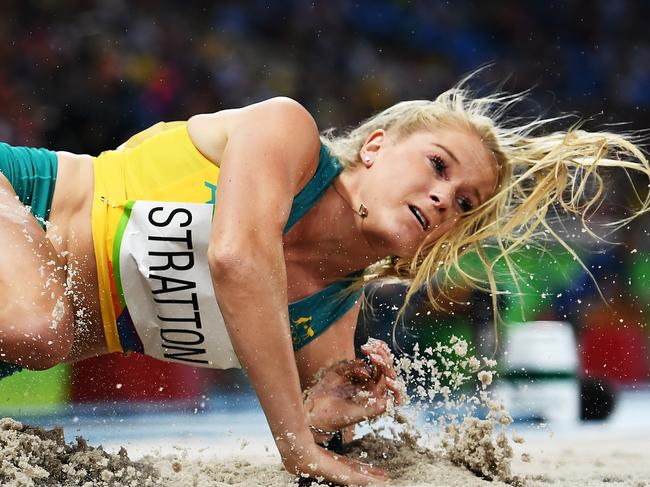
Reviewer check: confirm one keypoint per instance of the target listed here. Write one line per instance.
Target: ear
(371, 147)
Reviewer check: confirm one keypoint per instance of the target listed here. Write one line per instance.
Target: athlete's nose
(441, 201)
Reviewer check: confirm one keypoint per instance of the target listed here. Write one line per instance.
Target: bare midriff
(70, 232)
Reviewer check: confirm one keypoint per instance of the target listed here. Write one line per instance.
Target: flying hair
(541, 171)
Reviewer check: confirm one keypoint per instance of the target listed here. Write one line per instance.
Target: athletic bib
(164, 284)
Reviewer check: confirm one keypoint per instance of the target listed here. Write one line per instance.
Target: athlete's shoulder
(286, 117)
(283, 106)
(281, 114)
(281, 119)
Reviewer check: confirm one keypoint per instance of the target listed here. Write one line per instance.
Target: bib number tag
(166, 284)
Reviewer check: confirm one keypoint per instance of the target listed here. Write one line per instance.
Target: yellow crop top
(160, 164)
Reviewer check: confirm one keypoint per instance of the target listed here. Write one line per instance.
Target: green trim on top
(32, 174)
(312, 315)
(117, 243)
(328, 168)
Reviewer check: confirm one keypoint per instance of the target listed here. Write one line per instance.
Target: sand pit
(590, 460)
(452, 450)
(34, 456)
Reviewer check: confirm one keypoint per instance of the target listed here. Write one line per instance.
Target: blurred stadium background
(83, 75)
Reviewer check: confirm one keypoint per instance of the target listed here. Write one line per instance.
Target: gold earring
(362, 211)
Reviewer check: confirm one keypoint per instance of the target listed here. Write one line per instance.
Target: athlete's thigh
(32, 279)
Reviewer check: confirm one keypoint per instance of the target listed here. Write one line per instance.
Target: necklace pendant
(362, 211)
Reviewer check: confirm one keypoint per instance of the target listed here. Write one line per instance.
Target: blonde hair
(539, 172)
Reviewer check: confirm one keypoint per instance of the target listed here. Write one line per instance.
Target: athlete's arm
(343, 390)
(270, 149)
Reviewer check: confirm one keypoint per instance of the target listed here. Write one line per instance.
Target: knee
(43, 350)
(39, 340)
(54, 342)
(50, 352)
(38, 362)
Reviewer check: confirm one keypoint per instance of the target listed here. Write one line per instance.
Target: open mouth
(424, 223)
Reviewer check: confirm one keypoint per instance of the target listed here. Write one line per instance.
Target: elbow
(237, 258)
(43, 339)
(220, 259)
(228, 264)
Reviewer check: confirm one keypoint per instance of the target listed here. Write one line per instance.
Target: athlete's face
(418, 186)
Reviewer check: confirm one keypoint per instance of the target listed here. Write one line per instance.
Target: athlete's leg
(36, 321)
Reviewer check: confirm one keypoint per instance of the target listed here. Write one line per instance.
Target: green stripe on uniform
(121, 226)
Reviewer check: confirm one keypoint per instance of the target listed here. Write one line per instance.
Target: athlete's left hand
(352, 391)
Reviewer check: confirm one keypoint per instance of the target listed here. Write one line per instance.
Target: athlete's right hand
(317, 462)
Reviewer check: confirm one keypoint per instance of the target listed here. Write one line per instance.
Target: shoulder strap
(312, 315)
(328, 168)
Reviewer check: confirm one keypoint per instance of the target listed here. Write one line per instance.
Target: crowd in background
(84, 75)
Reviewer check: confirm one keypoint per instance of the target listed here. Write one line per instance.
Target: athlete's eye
(465, 205)
(438, 164)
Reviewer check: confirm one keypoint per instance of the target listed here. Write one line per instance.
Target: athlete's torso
(69, 230)
(71, 213)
